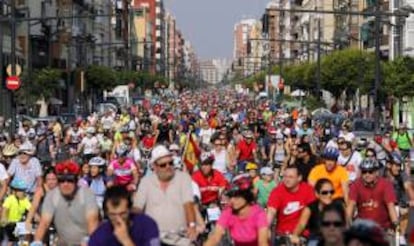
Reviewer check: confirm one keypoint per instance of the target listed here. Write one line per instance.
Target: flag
(191, 154)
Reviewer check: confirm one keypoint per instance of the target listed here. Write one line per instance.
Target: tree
(347, 70)
(399, 77)
(100, 78)
(300, 75)
(40, 86)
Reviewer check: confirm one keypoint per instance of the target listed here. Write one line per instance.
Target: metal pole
(280, 51)
(377, 102)
(13, 64)
(3, 91)
(318, 70)
(125, 31)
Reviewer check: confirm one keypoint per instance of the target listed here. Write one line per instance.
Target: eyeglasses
(335, 224)
(67, 178)
(164, 165)
(367, 171)
(327, 192)
(343, 149)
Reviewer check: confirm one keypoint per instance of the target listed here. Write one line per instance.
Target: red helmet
(67, 168)
(241, 182)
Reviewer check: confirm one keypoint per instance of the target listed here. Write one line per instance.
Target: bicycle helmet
(207, 158)
(174, 147)
(369, 164)
(366, 231)
(279, 136)
(248, 134)
(90, 130)
(241, 187)
(18, 184)
(41, 131)
(10, 150)
(124, 129)
(31, 135)
(251, 166)
(272, 131)
(97, 161)
(122, 150)
(330, 153)
(395, 158)
(67, 168)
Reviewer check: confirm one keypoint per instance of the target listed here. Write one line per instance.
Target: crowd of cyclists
(263, 175)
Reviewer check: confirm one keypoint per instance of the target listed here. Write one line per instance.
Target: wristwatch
(192, 224)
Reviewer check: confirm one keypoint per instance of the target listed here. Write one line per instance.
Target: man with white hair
(167, 196)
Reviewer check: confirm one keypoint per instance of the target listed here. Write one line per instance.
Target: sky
(209, 24)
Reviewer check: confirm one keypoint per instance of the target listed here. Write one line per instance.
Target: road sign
(18, 70)
(13, 83)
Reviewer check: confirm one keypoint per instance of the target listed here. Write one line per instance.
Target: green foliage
(347, 70)
(399, 77)
(100, 78)
(300, 75)
(41, 84)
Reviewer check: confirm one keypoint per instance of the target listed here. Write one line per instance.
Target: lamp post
(13, 63)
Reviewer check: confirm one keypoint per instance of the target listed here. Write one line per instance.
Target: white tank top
(220, 161)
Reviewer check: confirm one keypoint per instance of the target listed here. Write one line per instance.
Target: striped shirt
(28, 172)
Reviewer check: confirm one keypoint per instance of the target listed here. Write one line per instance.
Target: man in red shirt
(211, 182)
(246, 151)
(287, 200)
(373, 197)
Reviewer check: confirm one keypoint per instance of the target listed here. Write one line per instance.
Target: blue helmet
(122, 150)
(330, 153)
(18, 184)
(395, 158)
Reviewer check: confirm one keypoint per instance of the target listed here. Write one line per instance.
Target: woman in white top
(221, 156)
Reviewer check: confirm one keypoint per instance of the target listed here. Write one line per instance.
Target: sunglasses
(327, 192)
(367, 171)
(67, 179)
(164, 165)
(336, 224)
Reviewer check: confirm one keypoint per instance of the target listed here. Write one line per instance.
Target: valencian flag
(191, 155)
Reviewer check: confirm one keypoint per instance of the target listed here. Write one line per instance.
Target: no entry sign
(13, 83)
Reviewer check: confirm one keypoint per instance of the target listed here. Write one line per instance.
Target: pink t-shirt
(123, 174)
(244, 231)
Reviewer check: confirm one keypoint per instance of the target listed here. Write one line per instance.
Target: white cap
(159, 152)
(27, 148)
(266, 171)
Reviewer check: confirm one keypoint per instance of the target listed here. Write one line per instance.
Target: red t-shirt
(246, 150)
(209, 187)
(372, 202)
(289, 205)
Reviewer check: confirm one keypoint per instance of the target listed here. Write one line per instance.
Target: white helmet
(97, 161)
